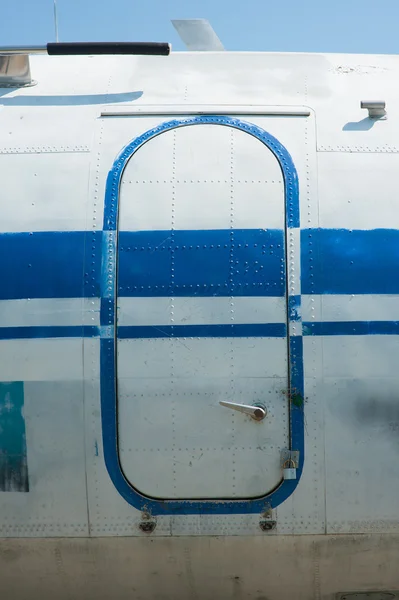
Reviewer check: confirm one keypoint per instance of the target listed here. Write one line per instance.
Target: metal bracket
(148, 522)
(266, 521)
(15, 71)
(376, 109)
(267, 524)
(147, 526)
(289, 455)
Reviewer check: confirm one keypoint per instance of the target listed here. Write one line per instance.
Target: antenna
(55, 21)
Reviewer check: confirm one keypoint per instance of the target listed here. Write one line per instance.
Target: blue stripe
(68, 264)
(342, 261)
(352, 328)
(222, 262)
(13, 456)
(49, 265)
(278, 330)
(214, 331)
(51, 331)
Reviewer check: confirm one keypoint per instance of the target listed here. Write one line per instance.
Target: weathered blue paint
(68, 264)
(49, 264)
(48, 331)
(108, 264)
(211, 331)
(294, 308)
(13, 455)
(108, 354)
(202, 263)
(107, 311)
(311, 328)
(343, 261)
(351, 328)
(297, 402)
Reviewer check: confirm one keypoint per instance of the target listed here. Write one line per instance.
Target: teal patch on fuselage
(13, 455)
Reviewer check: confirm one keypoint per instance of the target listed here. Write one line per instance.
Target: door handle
(256, 412)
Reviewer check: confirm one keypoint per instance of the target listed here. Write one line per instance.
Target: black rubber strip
(86, 48)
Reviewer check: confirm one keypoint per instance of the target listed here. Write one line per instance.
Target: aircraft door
(201, 343)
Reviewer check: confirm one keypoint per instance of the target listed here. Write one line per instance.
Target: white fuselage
(180, 232)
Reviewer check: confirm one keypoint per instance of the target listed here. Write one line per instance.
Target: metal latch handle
(256, 412)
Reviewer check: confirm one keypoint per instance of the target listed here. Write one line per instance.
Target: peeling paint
(296, 399)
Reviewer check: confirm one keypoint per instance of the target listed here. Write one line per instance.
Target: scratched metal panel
(359, 388)
(110, 137)
(109, 514)
(221, 567)
(59, 112)
(224, 78)
(185, 444)
(57, 198)
(358, 191)
(350, 307)
(299, 137)
(336, 93)
(35, 312)
(41, 359)
(28, 127)
(54, 502)
(303, 513)
(191, 311)
(202, 454)
(176, 182)
(112, 134)
(359, 385)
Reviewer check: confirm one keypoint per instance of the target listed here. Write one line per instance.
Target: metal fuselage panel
(204, 235)
(157, 264)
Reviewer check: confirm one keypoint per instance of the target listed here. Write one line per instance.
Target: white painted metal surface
(58, 144)
(211, 178)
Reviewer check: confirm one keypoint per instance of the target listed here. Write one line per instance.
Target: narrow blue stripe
(215, 331)
(352, 328)
(343, 261)
(51, 331)
(317, 328)
(239, 262)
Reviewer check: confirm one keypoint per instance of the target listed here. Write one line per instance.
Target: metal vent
(15, 71)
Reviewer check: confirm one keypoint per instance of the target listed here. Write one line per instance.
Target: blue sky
(355, 26)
